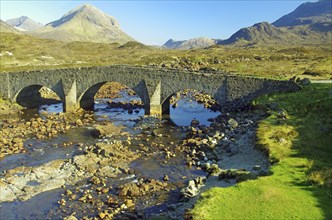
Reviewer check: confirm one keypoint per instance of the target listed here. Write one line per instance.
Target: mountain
(5, 28)
(307, 13)
(262, 32)
(84, 23)
(24, 24)
(310, 23)
(200, 42)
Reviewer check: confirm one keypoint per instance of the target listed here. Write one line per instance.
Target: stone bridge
(77, 87)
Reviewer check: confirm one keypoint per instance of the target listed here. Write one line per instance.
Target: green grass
(299, 186)
(271, 61)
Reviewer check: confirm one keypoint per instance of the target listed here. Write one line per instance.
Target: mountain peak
(307, 13)
(86, 8)
(85, 23)
(87, 12)
(24, 23)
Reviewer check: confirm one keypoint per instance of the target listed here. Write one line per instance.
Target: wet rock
(102, 215)
(62, 202)
(172, 207)
(194, 122)
(210, 120)
(79, 122)
(130, 189)
(166, 178)
(95, 180)
(213, 170)
(239, 175)
(129, 203)
(233, 123)
(71, 217)
(190, 191)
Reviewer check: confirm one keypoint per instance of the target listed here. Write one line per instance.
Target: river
(151, 165)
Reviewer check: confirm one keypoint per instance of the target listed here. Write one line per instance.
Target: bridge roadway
(77, 87)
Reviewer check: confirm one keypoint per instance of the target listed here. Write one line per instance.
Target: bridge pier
(70, 103)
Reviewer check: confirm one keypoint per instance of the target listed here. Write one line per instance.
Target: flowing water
(152, 166)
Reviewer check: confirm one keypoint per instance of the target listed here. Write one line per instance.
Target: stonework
(76, 87)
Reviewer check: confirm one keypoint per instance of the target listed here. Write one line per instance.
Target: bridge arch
(86, 99)
(166, 101)
(31, 96)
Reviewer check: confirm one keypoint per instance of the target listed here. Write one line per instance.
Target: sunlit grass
(299, 186)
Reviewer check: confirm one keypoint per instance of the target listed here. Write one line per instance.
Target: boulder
(194, 122)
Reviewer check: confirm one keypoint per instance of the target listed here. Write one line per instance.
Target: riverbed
(122, 164)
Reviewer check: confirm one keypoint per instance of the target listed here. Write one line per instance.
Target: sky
(155, 22)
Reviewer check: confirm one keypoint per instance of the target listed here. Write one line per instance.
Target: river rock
(233, 123)
(79, 122)
(194, 122)
(239, 175)
(71, 217)
(190, 191)
(129, 203)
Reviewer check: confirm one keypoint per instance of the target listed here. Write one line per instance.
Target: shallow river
(152, 166)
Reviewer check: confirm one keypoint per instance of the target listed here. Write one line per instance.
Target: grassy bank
(300, 148)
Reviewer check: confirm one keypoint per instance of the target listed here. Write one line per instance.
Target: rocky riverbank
(14, 131)
(155, 169)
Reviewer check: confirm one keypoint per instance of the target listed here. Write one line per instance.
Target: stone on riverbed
(194, 122)
(105, 130)
(192, 189)
(233, 123)
(240, 175)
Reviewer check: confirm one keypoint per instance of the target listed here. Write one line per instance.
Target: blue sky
(154, 22)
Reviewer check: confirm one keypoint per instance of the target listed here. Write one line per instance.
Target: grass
(271, 61)
(300, 149)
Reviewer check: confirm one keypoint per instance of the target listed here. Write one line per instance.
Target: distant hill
(24, 24)
(307, 13)
(310, 23)
(201, 42)
(5, 28)
(85, 23)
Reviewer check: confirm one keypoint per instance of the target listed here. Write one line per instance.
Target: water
(39, 152)
(182, 115)
(118, 116)
(152, 166)
(187, 110)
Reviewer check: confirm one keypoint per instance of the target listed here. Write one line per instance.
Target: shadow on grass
(312, 119)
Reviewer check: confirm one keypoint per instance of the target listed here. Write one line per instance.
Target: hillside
(265, 33)
(24, 24)
(201, 42)
(5, 28)
(273, 61)
(260, 32)
(85, 23)
(307, 13)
